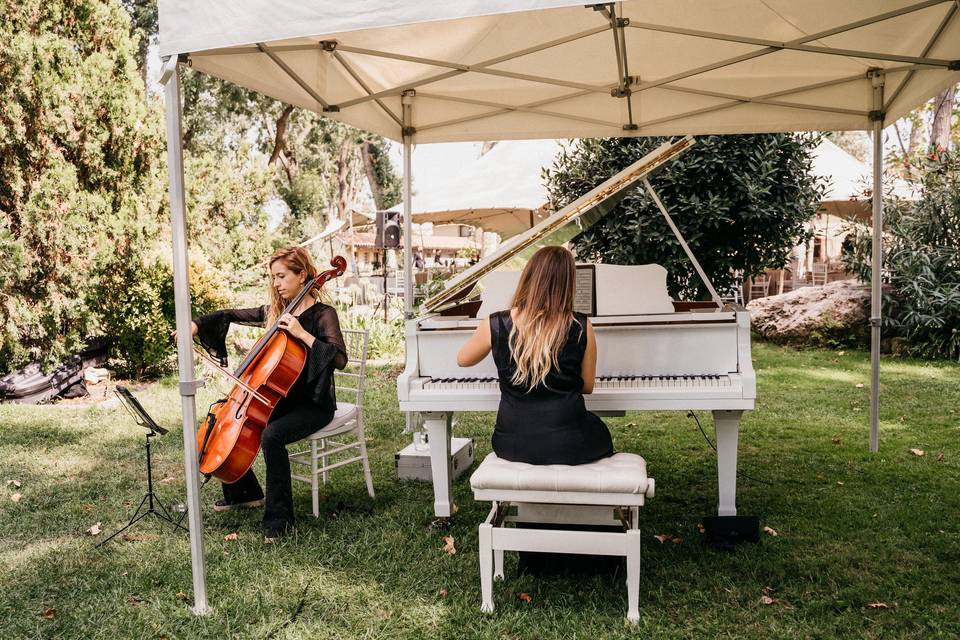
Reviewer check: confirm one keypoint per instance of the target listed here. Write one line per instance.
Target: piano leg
(728, 429)
(438, 426)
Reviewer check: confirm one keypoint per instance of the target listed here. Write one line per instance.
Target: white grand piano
(649, 355)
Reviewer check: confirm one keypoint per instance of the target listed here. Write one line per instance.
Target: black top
(548, 424)
(315, 383)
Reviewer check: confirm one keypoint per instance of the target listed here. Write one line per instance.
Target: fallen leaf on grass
(443, 593)
(840, 353)
(15, 497)
(859, 385)
(663, 537)
(167, 480)
(856, 408)
(631, 424)
(87, 508)
(525, 597)
(840, 482)
(767, 600)
(448, 545)
(918, 452)
(230, 536)
(49, 613)
(454, 509)
(677, 540)
(770, 531)
(181, 595)
(940, 457)
(768, 590)
(14, 483)
(878, 605)
(140, 537)
(135, 601)
(94, 530)
(835, 440)
(700, 527)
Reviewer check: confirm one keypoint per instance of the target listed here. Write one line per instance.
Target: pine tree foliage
(79, 157)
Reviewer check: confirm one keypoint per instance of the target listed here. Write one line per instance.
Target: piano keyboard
(606, 382)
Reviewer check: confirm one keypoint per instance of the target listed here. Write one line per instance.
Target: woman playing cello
(310, 402)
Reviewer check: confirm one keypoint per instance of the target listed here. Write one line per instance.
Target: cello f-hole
(241, 405)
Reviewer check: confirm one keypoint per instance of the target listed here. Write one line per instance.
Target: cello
(228, 440)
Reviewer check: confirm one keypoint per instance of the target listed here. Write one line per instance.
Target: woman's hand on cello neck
(193, 331)
(291, 325)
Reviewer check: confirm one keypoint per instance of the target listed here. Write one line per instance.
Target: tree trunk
(370, 170)
(343, 177)
(280, 137)
(942, 115)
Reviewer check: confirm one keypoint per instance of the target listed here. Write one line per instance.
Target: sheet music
(584, 297)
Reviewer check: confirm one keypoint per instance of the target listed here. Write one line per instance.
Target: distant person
(546, 357)
(418, 261)
(437, 258)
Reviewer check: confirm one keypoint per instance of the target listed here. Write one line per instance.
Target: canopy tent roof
(505, 222)
(850, 183)
(514, 69)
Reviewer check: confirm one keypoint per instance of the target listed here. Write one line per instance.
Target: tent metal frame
(626, 87)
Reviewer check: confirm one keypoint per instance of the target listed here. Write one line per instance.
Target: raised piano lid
(559, 228)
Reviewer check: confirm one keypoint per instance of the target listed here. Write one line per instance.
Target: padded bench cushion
(621, 473)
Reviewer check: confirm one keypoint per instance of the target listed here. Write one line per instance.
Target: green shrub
(921, 263)
(137, 311)
(741, 202)
(386, 336)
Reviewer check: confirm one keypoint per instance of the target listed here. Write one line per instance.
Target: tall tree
(740, 202)
(79, 157)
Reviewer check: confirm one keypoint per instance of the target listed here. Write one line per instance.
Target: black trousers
(286, 425)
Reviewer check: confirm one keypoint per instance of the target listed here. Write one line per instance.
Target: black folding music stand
(142, 418)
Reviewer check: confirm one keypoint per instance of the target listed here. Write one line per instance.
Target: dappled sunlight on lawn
(14, 556)
(821, 374)
(60, 463)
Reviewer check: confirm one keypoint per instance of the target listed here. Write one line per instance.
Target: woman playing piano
(546, 357)
(310, 403)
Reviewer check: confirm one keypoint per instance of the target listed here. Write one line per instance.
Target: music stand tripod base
(149, 499)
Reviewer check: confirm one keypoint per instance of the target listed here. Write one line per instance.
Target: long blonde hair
(298, 260)
(544, 304)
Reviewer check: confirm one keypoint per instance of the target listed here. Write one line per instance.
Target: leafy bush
(137, 312)
(921, 263)
(386, 338)
(740, 202)
(80, 150)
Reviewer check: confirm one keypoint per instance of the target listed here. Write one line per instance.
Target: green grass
(889, 533)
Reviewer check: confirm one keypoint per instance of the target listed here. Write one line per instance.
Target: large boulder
(836, 314)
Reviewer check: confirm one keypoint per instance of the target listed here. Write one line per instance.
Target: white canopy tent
(423, 71)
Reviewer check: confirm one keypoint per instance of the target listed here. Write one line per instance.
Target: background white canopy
(424, 71)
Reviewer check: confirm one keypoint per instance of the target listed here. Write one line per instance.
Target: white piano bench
(606, 492)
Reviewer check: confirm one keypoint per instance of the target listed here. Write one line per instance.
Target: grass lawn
(854, 528)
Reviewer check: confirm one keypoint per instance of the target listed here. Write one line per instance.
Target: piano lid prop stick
(683, 243)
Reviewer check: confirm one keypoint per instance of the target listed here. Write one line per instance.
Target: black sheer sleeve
(329, 324)
(328, 349)
(212, 328)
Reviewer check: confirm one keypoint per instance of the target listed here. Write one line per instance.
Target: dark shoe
(223, 505)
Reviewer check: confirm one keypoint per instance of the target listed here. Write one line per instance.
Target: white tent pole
(875, 299)
(181, 288)
(407, 101)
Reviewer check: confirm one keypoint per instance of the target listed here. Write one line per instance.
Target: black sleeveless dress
(548, 424)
